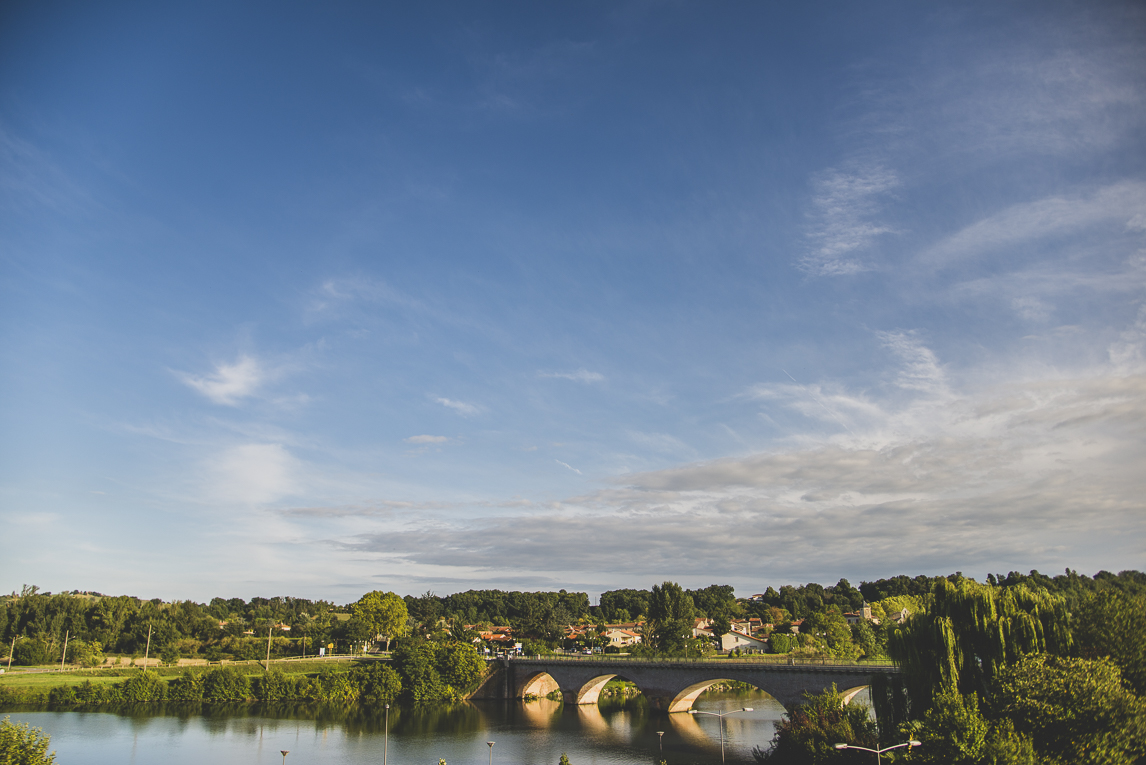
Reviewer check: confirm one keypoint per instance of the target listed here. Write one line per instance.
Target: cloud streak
(843, 220)
(581, 375)
(229, 383)
(461, 407)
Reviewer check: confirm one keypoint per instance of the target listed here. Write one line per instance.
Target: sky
(316, 299)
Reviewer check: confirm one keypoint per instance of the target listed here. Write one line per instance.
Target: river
(525, 733)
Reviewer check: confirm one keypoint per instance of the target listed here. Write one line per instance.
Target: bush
(189, 687)
(779, 643)
(170, 654)
(377, 682)
(808, 734)
(21, 745)
(274, 686)
(225, 684)
(146, 686)
(29, 653)
(85, 653)
(331, 685)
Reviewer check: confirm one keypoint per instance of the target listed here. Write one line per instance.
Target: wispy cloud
(461, 407)
(581, 375)
(844, 218)
(1044, 219)
(426, 439)
(567, 465)
(229, 383)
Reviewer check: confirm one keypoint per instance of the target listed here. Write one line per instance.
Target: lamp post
(878, 752)
(721, 716)
(661, 740)
(386, 738)
(491, 743)
(285, 752)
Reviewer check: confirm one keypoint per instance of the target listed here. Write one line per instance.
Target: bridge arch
(687, 696)
(536, 684)
(590, 692)
(851, 693)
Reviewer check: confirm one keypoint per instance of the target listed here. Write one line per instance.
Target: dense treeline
(1011, 672)
(236, 629)
(421, 671)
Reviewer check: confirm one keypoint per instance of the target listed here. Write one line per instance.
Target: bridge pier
(670, 686)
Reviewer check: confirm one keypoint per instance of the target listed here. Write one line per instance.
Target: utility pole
(11, 651)
(67, 634)
(269, 647)
(147, 652)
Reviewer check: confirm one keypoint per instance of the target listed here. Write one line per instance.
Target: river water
(525, 733)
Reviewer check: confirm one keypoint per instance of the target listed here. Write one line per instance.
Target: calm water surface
(526, 733)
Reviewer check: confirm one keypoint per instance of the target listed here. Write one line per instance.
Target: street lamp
(285, 752)
(661, 740)
(721, 716)
(491, 743)
(878, 752)
(386, 738)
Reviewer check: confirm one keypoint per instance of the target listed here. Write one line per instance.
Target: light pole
(721, 716)
(285, 752)
(661, 740)
(878, 752)
(491, 743)
(386, 739)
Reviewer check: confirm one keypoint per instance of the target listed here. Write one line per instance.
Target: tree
(955, 732)
(671, 613)
(1112, 623)
(1076, 710)
(808, 734)
(970, 632)
(22, 745)
(381, 614)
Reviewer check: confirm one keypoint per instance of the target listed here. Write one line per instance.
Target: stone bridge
(671, 685)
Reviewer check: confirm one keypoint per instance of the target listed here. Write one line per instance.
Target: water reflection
(618, 730)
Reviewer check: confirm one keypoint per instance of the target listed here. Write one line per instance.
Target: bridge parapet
(673, 685)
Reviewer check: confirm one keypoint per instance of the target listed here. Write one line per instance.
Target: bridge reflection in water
(620, 723)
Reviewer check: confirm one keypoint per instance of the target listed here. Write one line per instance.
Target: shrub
(189, 687)
(21, 745)
(377, 682)
(226, 684)
(274, 686)
(146, 686)
(31, 652)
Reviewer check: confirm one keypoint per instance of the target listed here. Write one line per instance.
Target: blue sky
(318, 300)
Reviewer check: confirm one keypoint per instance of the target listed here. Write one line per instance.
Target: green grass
(39, 680)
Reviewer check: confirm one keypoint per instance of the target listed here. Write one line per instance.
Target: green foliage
(30, 653)
(671, 612)
(460, 666)
(226, 684)
(970, 632)
(145, 686)
(377, 682)
(169, 654)
(809, 732)
(22, 745)
(1113, 623)
(953, 732)
(189, 687)
(381, 614)
(779, 643)
(1075, 710)
(416, 662)
(564, 759)
(86, 653)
